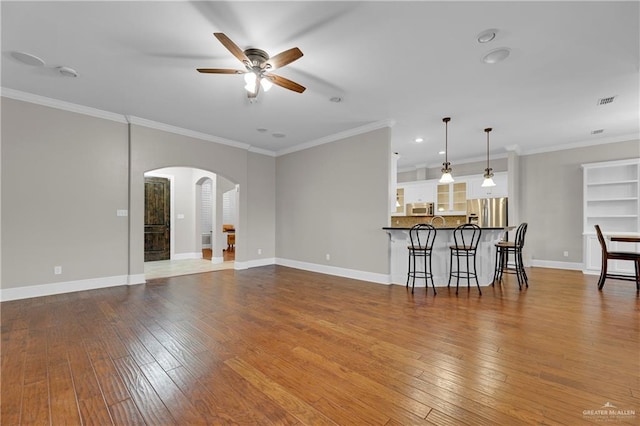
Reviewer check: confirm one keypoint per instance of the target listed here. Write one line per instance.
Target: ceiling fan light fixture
(266, 84)
(251, 80)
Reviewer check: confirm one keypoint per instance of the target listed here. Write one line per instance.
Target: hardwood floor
(275, 345)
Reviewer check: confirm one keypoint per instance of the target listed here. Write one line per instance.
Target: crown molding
(262, 151)
(185, 132)
(66, 106)
(583, 144)
(129, 119)
(338, 136)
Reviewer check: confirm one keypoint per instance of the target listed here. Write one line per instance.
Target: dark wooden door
(157, 219)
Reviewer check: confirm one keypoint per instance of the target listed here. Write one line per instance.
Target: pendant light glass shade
(488, 172)
(446, 166)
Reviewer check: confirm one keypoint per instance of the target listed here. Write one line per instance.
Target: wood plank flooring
(276, 345)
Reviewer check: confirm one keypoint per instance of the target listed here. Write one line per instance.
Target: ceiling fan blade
(219, 71)
(284, 58)
(285, 82)
(233, 48)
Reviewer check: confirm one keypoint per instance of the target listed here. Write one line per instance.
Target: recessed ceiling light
(67, 72)
(496, 55)
(278, 135)
(261, 130)
(487, 35)
(419, 140)
(597, 132)
(336, 99)
(441, 152)
(28, 58)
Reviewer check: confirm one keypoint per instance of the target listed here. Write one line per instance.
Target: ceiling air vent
(597, 132)
(605, 101)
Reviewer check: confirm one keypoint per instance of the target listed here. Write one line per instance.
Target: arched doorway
(195, 223)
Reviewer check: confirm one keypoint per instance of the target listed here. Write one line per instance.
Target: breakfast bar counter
(486, 255)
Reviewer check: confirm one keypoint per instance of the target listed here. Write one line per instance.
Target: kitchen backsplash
(409, 221)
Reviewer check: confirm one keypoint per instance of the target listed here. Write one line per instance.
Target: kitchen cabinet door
(418, 192)
(476, 190)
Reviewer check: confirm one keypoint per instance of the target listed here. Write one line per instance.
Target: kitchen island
(485, 257)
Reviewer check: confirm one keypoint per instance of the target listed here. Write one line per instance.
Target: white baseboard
(137, 279)
(217, 260)
(68, 287)
(334, 270)
(573, 266)
(255, 263)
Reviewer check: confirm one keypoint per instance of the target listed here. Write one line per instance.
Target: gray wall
(462, 169)
(64, 176)
(333, 199)
(550, 198)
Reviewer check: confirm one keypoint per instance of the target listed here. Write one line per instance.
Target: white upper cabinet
(476, 190)
(419, 191)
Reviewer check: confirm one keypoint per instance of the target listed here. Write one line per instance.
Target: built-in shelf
(612, 201)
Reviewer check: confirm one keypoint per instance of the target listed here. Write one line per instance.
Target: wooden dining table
(625, 238)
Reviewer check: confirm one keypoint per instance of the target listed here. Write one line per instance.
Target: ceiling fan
(258, 65)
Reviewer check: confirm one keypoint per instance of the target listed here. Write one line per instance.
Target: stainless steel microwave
(419, 209)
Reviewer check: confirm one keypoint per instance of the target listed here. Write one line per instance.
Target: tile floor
(173, 268)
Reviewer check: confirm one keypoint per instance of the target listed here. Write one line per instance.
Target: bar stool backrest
(467, 236)
(422, 236)
(520, 234)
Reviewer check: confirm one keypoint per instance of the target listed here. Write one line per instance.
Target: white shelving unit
(612, 200)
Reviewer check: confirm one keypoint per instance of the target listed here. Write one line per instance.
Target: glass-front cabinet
(452, 198)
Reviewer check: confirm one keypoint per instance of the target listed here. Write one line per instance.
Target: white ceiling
(410, 63)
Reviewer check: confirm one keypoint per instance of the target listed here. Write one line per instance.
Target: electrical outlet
(566, 254)
(327, 256)
(57, 270)
(259, 251)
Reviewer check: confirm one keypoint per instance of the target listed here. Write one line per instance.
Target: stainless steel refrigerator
(488, 212)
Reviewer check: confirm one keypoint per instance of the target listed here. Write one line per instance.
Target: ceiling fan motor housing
(258, 57)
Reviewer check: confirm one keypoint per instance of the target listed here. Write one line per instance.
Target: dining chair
(616, 255)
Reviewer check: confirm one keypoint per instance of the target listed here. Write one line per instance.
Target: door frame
(172, 235)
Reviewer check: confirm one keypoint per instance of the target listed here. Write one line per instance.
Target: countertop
(447, 228)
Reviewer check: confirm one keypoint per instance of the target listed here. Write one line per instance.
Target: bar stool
(465, 245)
(421, 237)
(503, 250)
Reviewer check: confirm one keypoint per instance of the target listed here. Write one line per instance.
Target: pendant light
(488, 172)
(446, 169)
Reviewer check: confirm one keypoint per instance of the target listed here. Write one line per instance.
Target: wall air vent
(597, 132)
(605, 101)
